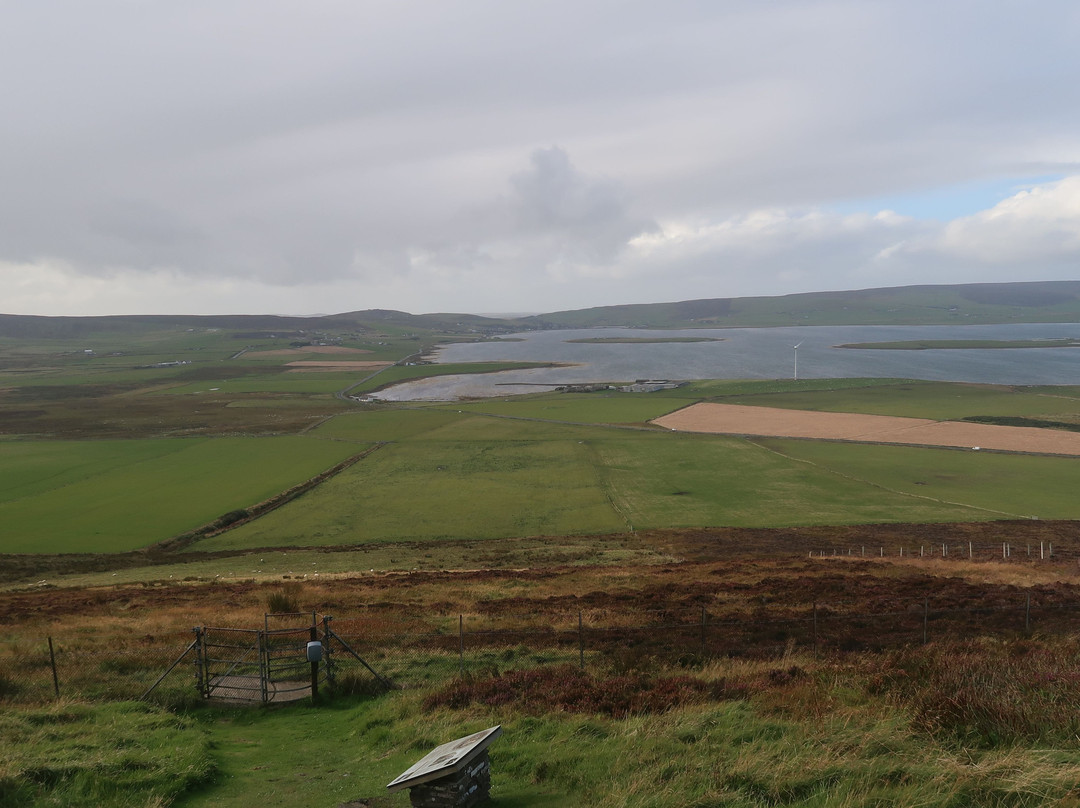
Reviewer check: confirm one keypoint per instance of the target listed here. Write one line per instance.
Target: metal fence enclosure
(260, 665)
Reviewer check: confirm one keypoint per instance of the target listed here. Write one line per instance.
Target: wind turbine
(796, 351)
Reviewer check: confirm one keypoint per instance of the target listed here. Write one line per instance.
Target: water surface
(750, 353)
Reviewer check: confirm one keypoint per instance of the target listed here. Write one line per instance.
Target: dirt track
(734, 419)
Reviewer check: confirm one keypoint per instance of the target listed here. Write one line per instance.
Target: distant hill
(1034, 302)
(1031, 302)
(372, 320)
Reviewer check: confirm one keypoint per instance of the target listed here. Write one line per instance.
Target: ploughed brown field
(736, 419)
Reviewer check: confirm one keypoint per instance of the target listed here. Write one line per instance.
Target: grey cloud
(335, 142)
(586, 218)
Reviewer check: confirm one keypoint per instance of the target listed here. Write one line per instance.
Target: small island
(962, 344)
(648, 340)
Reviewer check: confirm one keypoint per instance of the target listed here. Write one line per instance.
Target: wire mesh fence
(364, 653)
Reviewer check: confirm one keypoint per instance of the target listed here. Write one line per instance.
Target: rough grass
(121, 755)
(790, 732)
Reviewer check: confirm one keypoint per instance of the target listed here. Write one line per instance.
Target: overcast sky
(215, 156)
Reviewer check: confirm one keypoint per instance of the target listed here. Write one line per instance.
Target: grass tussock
(989, 693)
(120, 754)
(285, 600)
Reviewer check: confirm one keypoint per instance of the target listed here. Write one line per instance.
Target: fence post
(1027, 614)
(313, 633)
(461, 644)
(925, 618)
(581, 640)
(200, 654)
(52, 663)
(1042, 555)
(326, 649)
(703, 632)
(264, 666)
(815, 631)
(969, 550)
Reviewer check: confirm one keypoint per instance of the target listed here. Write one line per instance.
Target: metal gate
(267, 665)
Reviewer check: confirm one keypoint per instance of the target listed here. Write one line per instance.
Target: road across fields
(736, 419)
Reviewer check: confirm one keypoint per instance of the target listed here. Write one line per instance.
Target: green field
(917, 399)
(583, 408)
(110, 496)
(1003, 484)
(283, 382)
(544, 464)
(962, 344)
(449, 475)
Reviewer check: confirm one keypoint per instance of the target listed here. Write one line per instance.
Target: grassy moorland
(981, 715)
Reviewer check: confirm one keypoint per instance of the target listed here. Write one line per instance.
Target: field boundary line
(260, 509)
(754, 441)
(605, 485)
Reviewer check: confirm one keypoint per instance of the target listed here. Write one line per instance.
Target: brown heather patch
(565, 688)
(741, 594)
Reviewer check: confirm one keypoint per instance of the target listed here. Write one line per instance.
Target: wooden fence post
(702, 632)
(264, 666)
(581, 640)
(925, 618)
(52, 663)
(461, 644)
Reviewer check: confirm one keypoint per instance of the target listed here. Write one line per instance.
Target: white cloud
(1037, 225)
